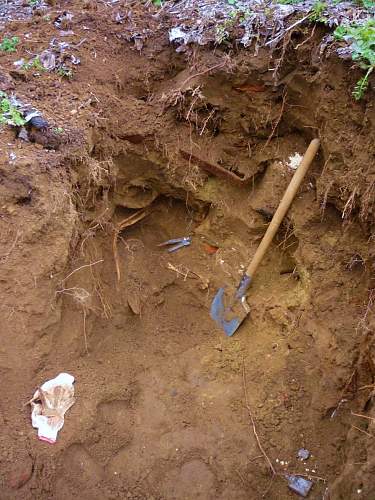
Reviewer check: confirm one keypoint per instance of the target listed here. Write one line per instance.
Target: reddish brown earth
(160, 410)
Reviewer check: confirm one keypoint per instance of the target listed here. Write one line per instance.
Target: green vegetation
(58, 130)
(288, 2)
(361, 40)
(65, 72)
(367, 4)
(9, 114)
(9, 44)
(33, 3)
(316, 13)
(34, 64)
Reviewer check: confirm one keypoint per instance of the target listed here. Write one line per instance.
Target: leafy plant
(367, 4)
(9, 44)
(361, 41)
(362, 85)
(58, 130)
(316, 13)
(33, 3)
(65, 72)
(9, 114)
(34, 64)
(221, 33)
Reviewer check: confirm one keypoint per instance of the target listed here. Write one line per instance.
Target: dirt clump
(202, 142)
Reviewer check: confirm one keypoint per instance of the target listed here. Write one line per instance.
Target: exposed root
(188, 273)
(254, 429)
(204, 72)
(129, 221)
(276, 124)
(82, 267)
(363, 431)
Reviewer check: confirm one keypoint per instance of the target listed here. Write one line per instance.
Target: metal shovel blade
(228, 310)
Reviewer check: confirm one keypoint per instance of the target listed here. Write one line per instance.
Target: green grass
(9, 114)
(9, 44)
(361, 40)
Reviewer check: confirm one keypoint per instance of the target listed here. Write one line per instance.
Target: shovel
(229, 308)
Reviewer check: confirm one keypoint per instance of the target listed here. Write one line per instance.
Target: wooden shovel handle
(284, 206)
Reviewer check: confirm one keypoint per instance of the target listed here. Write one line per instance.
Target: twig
(361, 430)
(79, 268)
(254, 428)
(363, 416)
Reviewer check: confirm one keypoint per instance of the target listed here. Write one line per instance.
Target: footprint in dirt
(112, 429)
(193, 479)
(80, 467)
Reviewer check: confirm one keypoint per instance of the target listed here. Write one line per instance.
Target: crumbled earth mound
(127, 129)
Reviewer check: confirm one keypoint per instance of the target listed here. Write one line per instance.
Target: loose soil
(161, 409)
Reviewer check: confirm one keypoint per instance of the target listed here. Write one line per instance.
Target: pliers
(177, 242)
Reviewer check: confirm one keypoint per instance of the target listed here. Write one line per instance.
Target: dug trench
(164, 400)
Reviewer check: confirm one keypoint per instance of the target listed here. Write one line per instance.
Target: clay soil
(161, 409)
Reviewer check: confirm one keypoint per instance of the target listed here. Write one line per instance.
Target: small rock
(303, 454)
